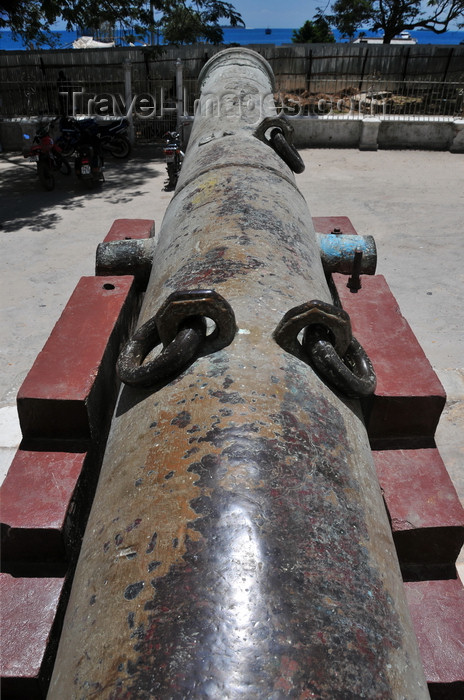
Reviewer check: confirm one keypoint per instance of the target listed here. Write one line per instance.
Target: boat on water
(268, 31)
(402, 38)
(88, 42)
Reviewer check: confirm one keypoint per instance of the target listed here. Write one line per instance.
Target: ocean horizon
(245, 36)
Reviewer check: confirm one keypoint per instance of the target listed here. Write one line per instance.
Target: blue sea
(247, 36)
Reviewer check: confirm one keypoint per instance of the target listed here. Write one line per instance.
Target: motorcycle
(174, 157)
(112, 136)
(89, 162)
(48, 156)
(114, 140)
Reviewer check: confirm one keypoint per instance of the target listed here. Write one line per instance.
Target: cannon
(238, 545)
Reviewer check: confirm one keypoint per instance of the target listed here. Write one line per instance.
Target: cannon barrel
(238, 544)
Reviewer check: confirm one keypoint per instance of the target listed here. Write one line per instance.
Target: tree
(394, 16)
(315, 31)
(350, 15)
(185, 21)
(188, 23)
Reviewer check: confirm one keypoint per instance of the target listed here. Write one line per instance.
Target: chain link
(173, 358)
(328, 345)
(280, 140)
(286, 151)
(353, 374)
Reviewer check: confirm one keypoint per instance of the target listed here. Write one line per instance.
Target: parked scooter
(174, 157)
(89, 162)
(112, 135)
(48, 156)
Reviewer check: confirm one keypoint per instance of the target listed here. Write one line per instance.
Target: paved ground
(411, 201)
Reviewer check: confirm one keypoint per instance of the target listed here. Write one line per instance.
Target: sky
(268, 13)
(277, 13)
(285, 13)
(274, 13)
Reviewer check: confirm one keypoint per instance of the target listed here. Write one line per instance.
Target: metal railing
(153, 103)
(374, 97)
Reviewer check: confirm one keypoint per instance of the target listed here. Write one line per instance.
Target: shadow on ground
(27, 205)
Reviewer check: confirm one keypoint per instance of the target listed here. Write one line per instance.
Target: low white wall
(322, 133)
(435, 136)
(372, 133)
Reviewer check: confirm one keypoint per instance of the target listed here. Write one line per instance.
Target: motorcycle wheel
(119, 147)
(63, 165)
(45, 176)
(172, 175)
(67, 149)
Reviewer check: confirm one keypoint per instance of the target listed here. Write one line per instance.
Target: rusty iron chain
(286, 151)
(180, 325)
(314, 312)
(280, 140)
(329, 346)
(185, 303)
(173, 358)
(352, 374)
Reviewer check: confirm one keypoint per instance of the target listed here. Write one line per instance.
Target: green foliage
(315, 31)
(394, 16)
(182, 21)
(350, 15)
(188, 23)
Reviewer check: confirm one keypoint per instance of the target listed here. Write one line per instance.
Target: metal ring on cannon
(181, 326)
(353, 374)
(184, 304)
(280, 140)
(174, 357)
(329, 346)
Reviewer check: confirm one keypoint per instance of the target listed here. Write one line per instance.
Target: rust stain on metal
(261, 484)
(217, 266)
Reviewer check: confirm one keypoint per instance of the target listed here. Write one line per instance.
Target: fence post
(363, 69)
(179, 93)
(450, 54)
(310, 68)
(128, 95)
(406, 59)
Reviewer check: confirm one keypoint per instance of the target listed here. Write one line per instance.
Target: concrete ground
(411, 201)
